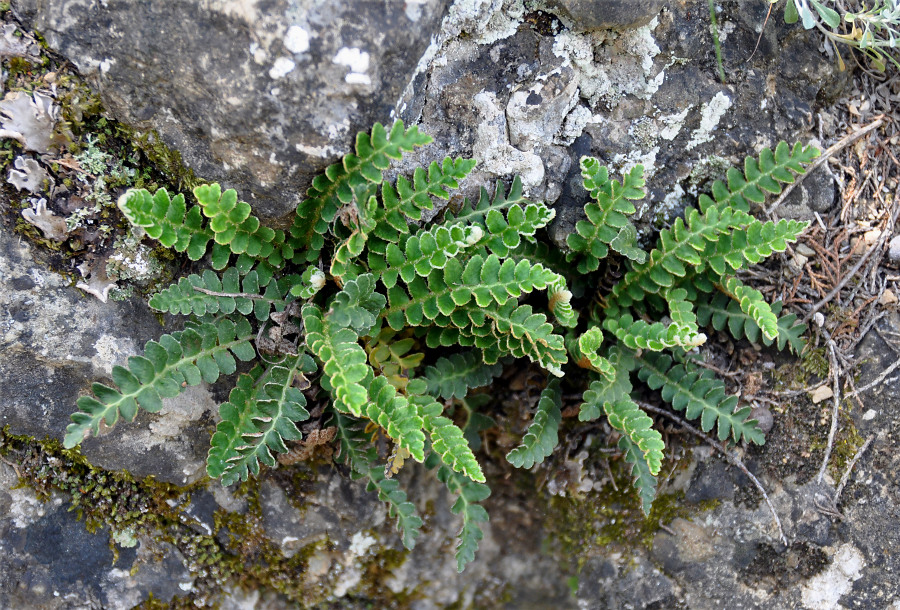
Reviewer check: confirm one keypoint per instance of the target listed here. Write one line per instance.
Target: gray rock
(55, 341)
(258, 96)
(894, 249)
(603, 14)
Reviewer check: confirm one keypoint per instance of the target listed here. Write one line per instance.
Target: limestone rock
(257, 96)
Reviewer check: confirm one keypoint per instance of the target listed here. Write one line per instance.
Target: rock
(894, 249)
(821, 393)
(260, 97)
(55, 341)
(603, 14)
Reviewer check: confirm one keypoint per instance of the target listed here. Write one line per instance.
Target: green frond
(408, 199)
(559, 302)
(681, 312)
(393, 357)
(750, 245)
(466, 505)
(538, 252)
(722, 311)
(237, 420)
(343, 361)
(211, 294)
(700, 394)
(447, 440)
(357, 452)
(477, 213)
(625, 416)
(423, 252)
(483, 282)
(453, 376)
(234, 226)
(644, 481)
(678, 249)
(394, 413)
(357, 305)
(334, 188)
(542, 436)
(584, 351)
(754, 304)
(257, 421)
(639, 334)
(200, 352)
(504, 234)
(761, 176)
(167, 220)
(608, 389)
(607, 221)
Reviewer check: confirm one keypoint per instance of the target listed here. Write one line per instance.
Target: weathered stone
(258, 96)
(55, 341)
(603, 14)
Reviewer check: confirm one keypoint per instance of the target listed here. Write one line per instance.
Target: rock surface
(260, 96)
(524, 94)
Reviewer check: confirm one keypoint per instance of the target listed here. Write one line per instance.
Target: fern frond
(644, 481)
(466, 505)
(362, 458)
(682, 312)
(201, 352)
(722, 311)
(334, 188)
(625, 416)
(504, 234)
(394, 413)
(447, 440)
(679, 248)
(476, 213)
(559, 302)
(542, 436)
(357, 305)
(453, 376)
(607, 224)
(210, 294)
(485, 281)
(408, 199)
(750, 245)
(237, 420)
(760, 177)
(311, 282)
(257, 420)
(233, 225)
(701, 395)
(584, 351)
(638, 334)
(167, 220)
(392, 357)
(539, 252)
(423, 252)
(343, 360)
(754, 304)
(608, 389)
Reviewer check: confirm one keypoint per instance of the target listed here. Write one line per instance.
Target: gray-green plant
(873, 29)
(394, 317)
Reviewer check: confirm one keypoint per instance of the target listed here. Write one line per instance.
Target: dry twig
(836, 390)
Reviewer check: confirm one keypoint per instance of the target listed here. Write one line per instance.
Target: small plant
(873, 30)
(360, 294)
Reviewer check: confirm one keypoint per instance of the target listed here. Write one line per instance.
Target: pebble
(821, 393)
(894, 249)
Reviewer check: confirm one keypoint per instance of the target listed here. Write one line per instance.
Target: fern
(365, 283)
(541, 438)
(356, 452)
(455, 375)
(201, 352)
(466, 505)
(701, 395)
(607, 225)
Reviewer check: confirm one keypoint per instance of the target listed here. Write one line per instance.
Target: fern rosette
(398, 315)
